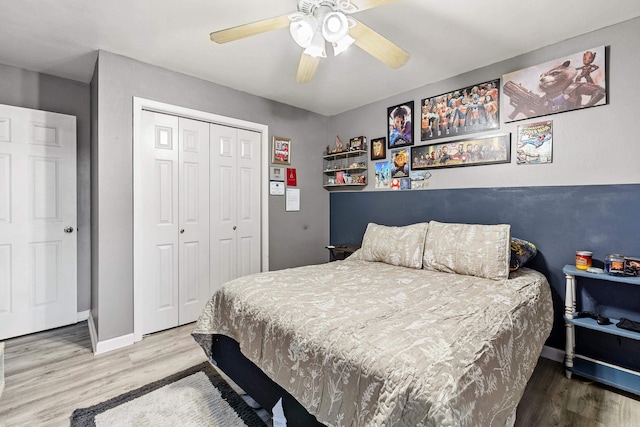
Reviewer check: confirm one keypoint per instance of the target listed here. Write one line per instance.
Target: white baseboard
(552, 354)
(83, 315)
(1, 368)
(100, 347)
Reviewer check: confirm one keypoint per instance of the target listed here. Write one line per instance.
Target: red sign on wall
(291, 177)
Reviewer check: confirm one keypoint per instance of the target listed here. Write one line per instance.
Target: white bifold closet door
(235, 204)
(172, 236)
(38, 218)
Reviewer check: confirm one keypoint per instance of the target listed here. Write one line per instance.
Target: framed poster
(463, 152)
(281, 151)
(535, 143)
(383, 175)
(466, 110)
(379, 148)
(568, 83)
(400, 125)
(400, 163)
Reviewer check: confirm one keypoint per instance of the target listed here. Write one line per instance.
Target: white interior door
(235, 204)
(38, 244)
(172, 220)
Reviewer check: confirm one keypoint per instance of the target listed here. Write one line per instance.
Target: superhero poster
(535, 143)
(467, 110)
(462, 152)
(568, 83)
(400, 125)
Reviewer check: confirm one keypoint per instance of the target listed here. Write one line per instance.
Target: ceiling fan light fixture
(303, 31)
(316, 48)
(342, 44)
(335, 26)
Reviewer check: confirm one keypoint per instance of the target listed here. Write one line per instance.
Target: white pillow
(470, 249)
(401, 246)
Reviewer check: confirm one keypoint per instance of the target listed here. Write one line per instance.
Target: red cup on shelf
(584, 259)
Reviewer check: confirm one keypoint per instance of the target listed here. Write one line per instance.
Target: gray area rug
(198, 396)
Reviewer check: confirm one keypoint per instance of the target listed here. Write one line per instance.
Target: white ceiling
(444, 38)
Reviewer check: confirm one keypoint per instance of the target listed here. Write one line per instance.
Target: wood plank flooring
(49, 374)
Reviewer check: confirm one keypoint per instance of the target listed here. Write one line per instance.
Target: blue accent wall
(559, 220)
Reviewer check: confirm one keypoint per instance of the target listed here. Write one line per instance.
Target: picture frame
(383, 175)
(477, 151)
(568, 83)
(357, 143)
(470, 109)
(400, 163)
(400, 125)
(281, 151)
(534, 144)
(379, 148)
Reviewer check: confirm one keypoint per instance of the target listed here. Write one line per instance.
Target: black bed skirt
(225, 352)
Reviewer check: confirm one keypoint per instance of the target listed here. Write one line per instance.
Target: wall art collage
(571, 82)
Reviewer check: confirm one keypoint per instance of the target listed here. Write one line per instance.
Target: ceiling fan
(320, 21)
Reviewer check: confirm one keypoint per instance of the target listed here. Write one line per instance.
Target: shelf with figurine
(346, 166)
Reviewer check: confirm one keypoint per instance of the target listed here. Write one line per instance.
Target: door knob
(68, 229)
(234, 227)
(182, 231)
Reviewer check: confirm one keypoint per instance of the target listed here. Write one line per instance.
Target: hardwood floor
(49, 374)
(551, 399)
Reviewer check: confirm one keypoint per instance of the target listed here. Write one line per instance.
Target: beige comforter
(370, 344)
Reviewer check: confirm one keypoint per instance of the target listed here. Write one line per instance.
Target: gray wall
(296, 238)
(28, 89)
(590, 146)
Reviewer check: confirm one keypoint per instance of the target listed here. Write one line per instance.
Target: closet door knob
(234, 227)
(182, 231)
(68, 229)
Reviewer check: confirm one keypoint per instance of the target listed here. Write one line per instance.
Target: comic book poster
(400, 163)
(383, 175)
(471, 109)
(568, 83)
(535, 143)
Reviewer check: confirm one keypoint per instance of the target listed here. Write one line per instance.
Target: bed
(425, 325)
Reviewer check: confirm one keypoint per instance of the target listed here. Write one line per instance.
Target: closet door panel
(156, 267)
(248, 201)
(194, 218)
(224, 211)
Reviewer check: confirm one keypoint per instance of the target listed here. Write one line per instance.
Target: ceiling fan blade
(370, 4)
(307, 68)
(247, 30)
(378, 46)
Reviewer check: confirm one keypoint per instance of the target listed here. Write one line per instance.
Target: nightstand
(340, 252)
(597, 370)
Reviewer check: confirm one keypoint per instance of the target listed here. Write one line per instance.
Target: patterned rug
(198, 396)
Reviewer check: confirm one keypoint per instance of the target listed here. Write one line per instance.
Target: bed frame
(227, 356)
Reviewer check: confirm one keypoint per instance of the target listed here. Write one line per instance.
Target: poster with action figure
(468, 110)
(569, 83)
(535, 143)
